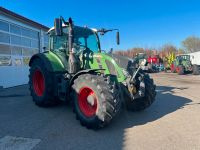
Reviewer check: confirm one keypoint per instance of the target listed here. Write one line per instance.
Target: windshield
(85, 38)
(184, 57)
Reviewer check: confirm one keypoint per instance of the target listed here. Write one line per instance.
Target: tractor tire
(96, 100)
(142, 103)
(196, 69)
(41, 84)
(180, 70)
(172, 68)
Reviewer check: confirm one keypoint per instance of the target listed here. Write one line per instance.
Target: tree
(181, 51)
(191, 44)
(167, 49)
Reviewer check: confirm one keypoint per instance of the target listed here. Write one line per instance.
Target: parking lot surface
(172, 122)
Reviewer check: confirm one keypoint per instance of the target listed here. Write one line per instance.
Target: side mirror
(58, 26)
(117, 38)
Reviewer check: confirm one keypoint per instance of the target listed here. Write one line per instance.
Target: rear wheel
(196, 70)
(142, 103)
(180, 70)
(95, 99)
(41, 84)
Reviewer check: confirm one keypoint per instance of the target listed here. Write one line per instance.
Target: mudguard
(83, 72)
(45, 60)
(50, 60)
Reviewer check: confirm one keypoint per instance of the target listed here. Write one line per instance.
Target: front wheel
(196, 70)
(142, 103)
(95, 99)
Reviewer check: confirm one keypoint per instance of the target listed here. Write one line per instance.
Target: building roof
(22, 18)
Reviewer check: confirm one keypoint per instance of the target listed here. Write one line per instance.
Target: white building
(20, 38)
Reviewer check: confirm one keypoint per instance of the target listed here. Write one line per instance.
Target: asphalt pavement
(172, 122)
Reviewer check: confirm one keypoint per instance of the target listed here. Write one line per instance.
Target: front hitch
(134, 90)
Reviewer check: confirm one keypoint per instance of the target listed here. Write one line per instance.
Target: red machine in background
(155, 63)
(154, 59)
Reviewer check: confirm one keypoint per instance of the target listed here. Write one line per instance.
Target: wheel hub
(91, 99)
(87, 101)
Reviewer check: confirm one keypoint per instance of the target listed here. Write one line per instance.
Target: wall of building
(18, 42)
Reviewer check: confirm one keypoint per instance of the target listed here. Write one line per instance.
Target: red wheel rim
(172, 67)
(87, 101)
(177, 69)
(38, 82)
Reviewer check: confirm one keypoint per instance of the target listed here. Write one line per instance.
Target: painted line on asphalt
(17, 143)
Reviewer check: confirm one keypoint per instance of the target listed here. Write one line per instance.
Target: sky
(142, 23)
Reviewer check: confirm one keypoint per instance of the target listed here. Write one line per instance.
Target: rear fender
(44, 59)
(51, 61)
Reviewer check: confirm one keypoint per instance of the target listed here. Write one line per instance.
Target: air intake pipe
(74, 62)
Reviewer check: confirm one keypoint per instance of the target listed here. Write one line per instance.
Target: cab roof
(63, 25)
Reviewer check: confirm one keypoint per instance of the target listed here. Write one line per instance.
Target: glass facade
(18, 41)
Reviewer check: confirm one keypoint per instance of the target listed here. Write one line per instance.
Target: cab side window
(59, 43)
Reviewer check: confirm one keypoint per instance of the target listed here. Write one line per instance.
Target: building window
(4, 26)
(35, 35)
(26, 42)
(29, 51)
(46, 41)
(15, 29)
(19, 41)
(46, 38)
(15, 40)
(5, 49)
(4, 37)
(16, 50)
(35, 43)
(26, 32)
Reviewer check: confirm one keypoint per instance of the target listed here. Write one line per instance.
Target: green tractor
(76, 70)
(181, 64)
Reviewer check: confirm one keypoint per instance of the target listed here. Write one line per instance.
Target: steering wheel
(81, 49)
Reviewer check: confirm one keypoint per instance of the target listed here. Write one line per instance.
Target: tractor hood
(124, 62)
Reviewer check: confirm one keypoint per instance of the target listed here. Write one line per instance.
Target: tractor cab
(77, 46)
(84, 38)
(181, 64)
(183, 60)
(84, 44)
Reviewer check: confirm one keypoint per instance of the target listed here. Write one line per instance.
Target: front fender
(83, 72)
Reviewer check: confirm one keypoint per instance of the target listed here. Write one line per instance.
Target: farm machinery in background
(149, 64)
(195, 61)
(186, 63)
(168, 61)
